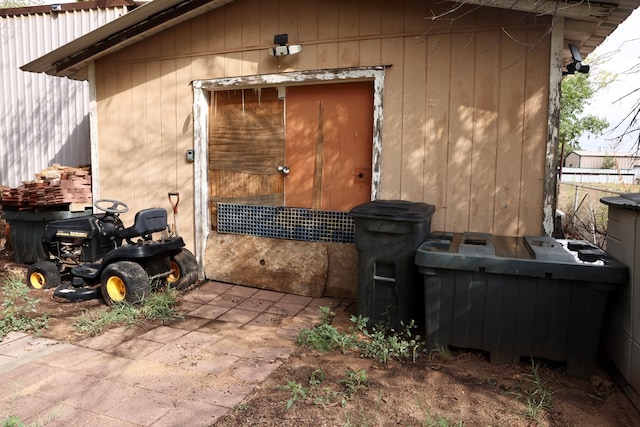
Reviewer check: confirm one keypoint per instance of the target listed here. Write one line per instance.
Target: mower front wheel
(184, 270)
(124, 281)
(43, 275)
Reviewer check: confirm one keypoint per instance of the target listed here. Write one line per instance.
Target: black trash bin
(26, 229)
(387, 234)
(517, 297)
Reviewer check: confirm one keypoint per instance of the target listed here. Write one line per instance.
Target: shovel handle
(174, 204)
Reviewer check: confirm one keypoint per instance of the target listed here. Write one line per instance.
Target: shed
(450, 103)
(596, 159)
(45, 119)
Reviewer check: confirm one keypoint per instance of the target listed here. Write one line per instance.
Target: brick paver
(190, 372)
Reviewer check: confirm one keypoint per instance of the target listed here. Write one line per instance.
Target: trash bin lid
(394, 210)
(529, 256)
(627, 201)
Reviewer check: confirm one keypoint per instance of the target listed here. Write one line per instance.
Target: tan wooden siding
(465, 100)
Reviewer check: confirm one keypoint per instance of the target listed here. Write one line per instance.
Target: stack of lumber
(54, 186)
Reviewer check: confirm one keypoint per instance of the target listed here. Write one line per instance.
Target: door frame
(201, 89)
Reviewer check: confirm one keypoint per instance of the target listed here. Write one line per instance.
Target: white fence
(600, 176)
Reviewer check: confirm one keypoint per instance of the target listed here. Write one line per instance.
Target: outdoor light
(281, 48)
(577, 64)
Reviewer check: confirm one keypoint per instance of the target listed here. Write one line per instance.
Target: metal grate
(286, 223)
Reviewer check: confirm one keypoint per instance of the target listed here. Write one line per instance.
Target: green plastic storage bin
(517, 297)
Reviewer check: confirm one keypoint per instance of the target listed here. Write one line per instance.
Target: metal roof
(587, 24)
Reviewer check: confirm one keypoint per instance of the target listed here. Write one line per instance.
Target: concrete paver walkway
(191, 372)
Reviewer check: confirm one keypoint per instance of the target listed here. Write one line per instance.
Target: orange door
(329, 139)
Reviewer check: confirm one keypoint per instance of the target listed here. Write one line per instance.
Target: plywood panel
(153, 128)
(348, 54)
(348, 19)
(393, 17)
(328, 16)
(413, 108)
(233, 25)
(534, 132)
(199, 31)
(392, 52)
(327, 55)
(269, 24)
(510, 122)
(436, 127)
(308, 21)
(288, 18)
(141, 158)
(371, 20)
(183, 36)
(461, 120)
(485, 132)
(369, 52)
(250, 23)
(216, 30)
(168, 126)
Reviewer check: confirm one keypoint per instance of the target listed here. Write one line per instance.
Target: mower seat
(147, 221)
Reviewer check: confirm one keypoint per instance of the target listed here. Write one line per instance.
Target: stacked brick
(54, 186)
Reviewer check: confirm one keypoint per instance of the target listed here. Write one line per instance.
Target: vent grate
(286, 223)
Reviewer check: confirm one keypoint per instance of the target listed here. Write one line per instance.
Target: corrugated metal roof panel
(44, 118)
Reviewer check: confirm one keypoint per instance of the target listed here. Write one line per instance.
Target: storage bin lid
(529, 256)
(626, 201)
(394, 210)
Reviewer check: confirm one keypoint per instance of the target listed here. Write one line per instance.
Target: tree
(577, 92)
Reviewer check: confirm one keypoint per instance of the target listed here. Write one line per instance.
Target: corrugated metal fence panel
(44, 119)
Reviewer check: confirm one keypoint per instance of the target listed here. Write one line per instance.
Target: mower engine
(86, 239)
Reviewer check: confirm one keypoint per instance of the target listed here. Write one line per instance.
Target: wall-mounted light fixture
(56, 8)
(576, 65)
(281, 48)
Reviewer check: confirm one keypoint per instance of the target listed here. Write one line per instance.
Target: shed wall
(465, 100)
(45, 119)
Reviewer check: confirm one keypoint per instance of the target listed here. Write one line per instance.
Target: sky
(619, 54)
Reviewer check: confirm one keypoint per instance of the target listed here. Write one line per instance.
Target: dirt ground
(324, 390)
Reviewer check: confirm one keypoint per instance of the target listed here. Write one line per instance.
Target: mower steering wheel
(117, 207)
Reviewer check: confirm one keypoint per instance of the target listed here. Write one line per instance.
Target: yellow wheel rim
(116, 289)
(175, 272)
(37, 280)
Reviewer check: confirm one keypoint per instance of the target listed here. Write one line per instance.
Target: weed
(17, 310)
(384, 344)
(160, 305)
(326, 315)
(325, 337)
(381, 344)
(298, 392)
(317, 377)
(12, 421)
(354, 381)
(537, 394)
(440, 354)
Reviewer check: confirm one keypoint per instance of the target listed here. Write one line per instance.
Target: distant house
(44, 119)
(599, 159)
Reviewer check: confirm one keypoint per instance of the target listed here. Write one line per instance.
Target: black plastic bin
(387, 234)
(517, 297)
(26, 228)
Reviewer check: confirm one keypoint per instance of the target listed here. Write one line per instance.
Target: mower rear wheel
(184, 270)
(124, 281)
(43, 275)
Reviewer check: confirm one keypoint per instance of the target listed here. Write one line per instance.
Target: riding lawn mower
(96, 255)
